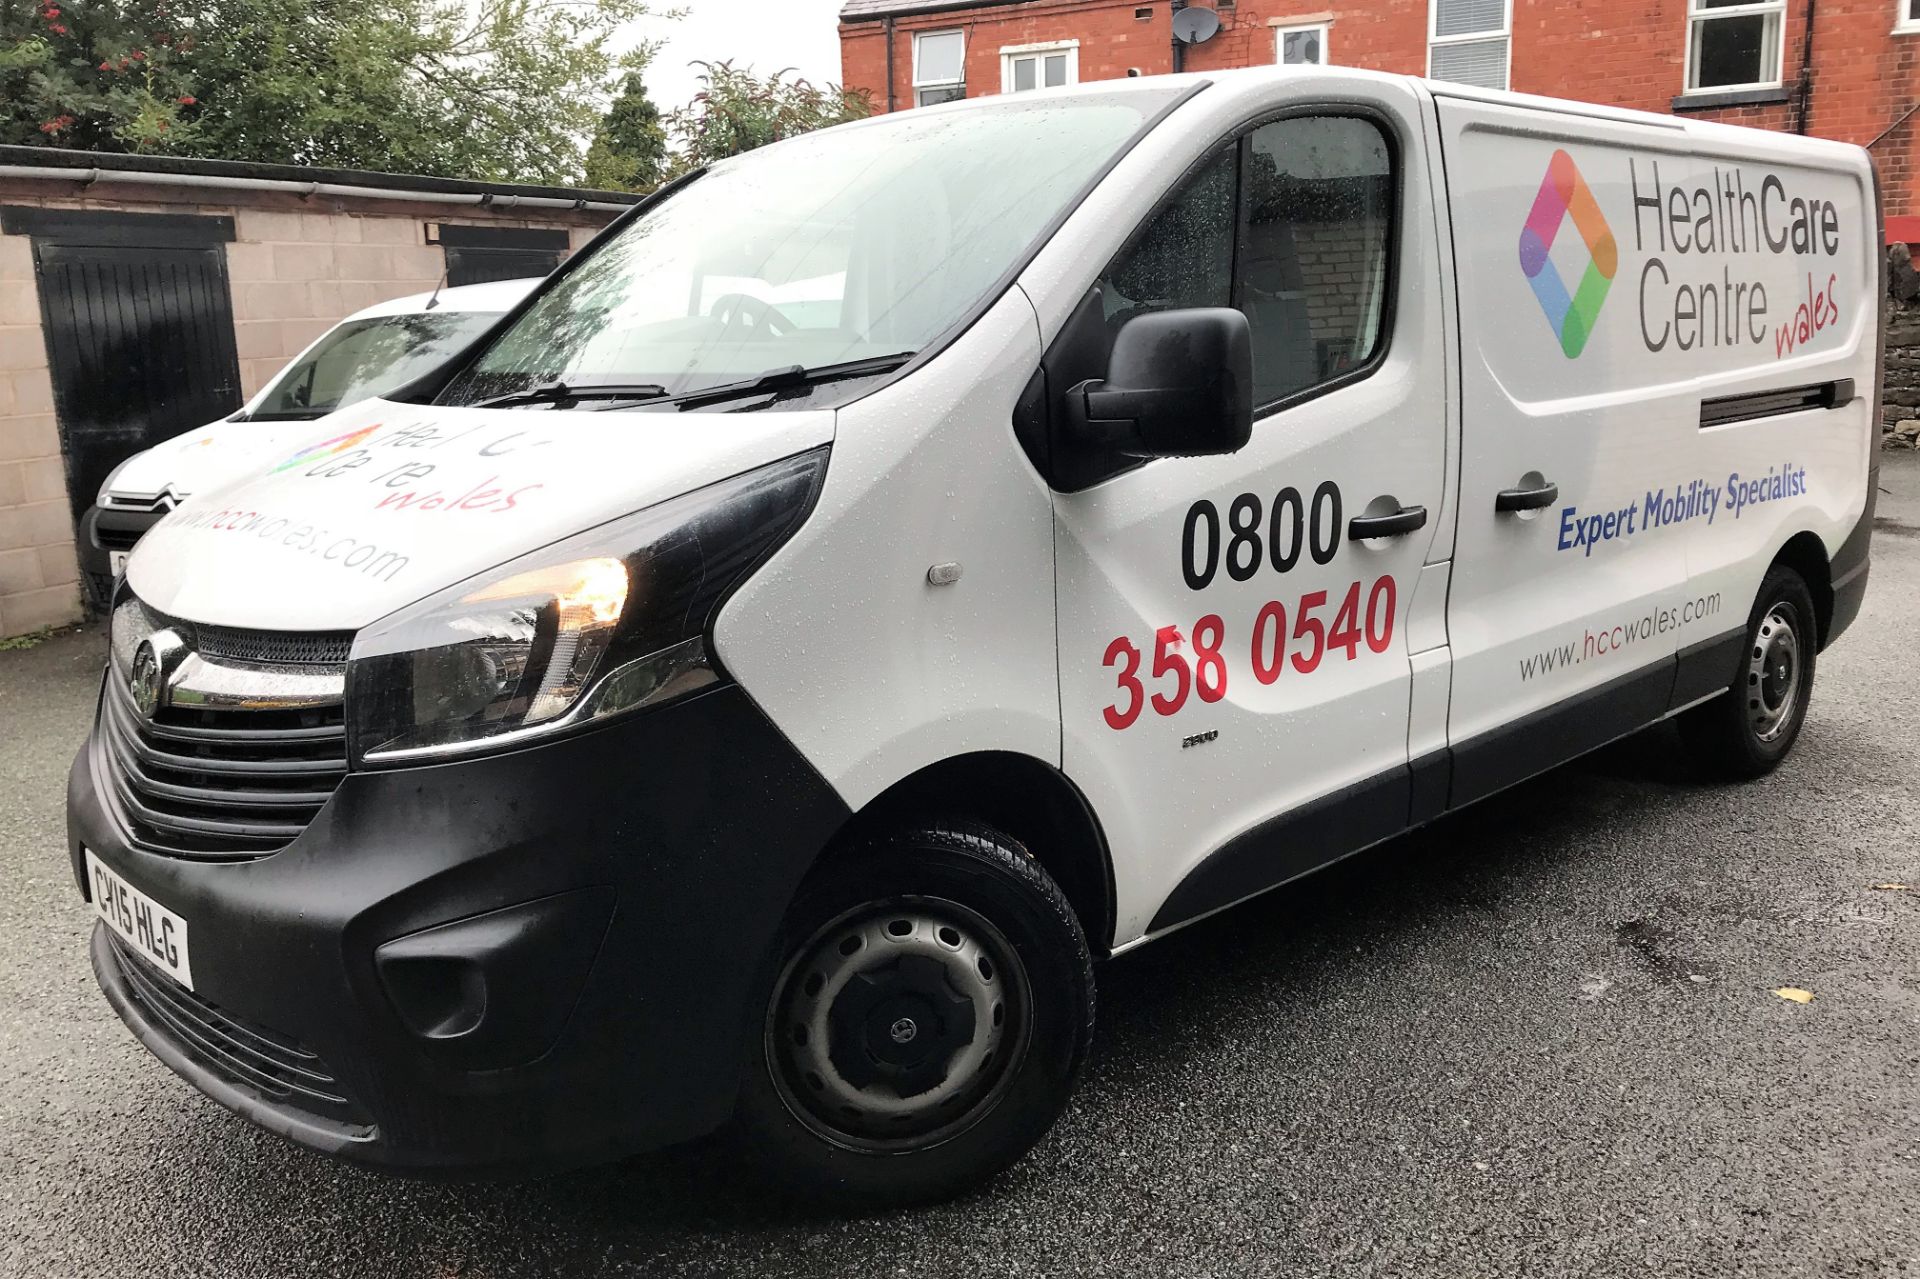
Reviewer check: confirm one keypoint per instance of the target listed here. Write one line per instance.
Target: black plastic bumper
(538, 958)
(1851, 563)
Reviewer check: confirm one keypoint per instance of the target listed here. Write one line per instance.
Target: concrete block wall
(296, 275)
(38, 574)
(294, 272)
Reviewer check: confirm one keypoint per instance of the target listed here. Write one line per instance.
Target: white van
(369, 353)
(680, 712)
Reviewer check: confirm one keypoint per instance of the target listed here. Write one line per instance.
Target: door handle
(1401, 522)
(1533, 499)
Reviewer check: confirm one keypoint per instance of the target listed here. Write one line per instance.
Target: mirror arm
(1110, 418)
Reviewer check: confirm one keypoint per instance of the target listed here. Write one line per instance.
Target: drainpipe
(1179, 50)
(889, 63)
(1806, 70)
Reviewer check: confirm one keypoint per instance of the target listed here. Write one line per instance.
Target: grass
(32, 639)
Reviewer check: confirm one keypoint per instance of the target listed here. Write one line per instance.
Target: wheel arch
(1021, 796)
(1806, 555)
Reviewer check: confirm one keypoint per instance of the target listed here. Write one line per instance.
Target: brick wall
(294, 270)
(1620, 52)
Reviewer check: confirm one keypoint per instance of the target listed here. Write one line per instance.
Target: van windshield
(857, 242)
(360, 359)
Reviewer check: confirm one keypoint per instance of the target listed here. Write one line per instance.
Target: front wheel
(933, 1004)
(1748, 732)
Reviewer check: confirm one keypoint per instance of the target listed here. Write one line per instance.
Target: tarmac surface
(1538, 1038)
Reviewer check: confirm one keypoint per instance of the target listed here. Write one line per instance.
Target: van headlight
(606, 621)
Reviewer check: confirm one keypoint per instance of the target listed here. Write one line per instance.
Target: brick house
(141, 296)
(1846, 69)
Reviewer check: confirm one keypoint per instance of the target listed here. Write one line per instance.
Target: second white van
(891, 570)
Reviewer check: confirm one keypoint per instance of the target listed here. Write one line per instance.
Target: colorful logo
(1564, 194)
(326, 448)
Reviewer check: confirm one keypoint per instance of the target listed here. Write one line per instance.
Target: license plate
(154, 932)
(117, 562)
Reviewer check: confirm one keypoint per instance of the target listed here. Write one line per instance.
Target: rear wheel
(932, 1007)
(1748, 732)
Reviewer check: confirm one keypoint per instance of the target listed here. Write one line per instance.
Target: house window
(939, 67)
(1734, 44)
(1039, 66)
(1468, 41)
(1906, 17)
(1301, 46)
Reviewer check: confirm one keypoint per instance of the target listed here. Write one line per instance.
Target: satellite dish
(1195, 26)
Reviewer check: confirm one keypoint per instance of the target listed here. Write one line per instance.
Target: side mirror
(1179, 384)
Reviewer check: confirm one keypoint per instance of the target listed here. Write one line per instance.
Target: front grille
(271, 1064)
(154, 504)
(221, 785)
(117, 539)
(223, 780)
(268, 648)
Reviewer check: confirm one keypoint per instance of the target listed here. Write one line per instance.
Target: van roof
(497, 295)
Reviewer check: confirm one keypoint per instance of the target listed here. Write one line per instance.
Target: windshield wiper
(794, 375)
(561, 393)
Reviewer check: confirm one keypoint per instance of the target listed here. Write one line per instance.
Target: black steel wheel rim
(899, 1024)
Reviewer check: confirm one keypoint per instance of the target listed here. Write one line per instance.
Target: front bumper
(530, 959)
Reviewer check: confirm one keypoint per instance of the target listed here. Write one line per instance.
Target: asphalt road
(1537, 1039)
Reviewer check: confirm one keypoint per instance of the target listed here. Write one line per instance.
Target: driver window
(1314, 250)
(1314, 235)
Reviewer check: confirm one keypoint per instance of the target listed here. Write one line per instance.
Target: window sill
(1711, 99)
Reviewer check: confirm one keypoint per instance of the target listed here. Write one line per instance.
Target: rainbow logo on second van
(1564, 194)
(326, 448)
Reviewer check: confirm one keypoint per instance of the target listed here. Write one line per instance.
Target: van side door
(1578, 425)
(1233, 630)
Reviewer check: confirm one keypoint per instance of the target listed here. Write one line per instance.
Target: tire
(930, 1010)
(1747, 733)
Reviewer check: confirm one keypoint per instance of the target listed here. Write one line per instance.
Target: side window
(1316, 250)
(1184, 257)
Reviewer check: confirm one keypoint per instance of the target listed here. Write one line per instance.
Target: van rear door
(1579, 408)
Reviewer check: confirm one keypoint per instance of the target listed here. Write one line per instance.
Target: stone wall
(1900, 407)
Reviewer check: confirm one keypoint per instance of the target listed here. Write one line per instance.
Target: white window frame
(1009, 53)
(1504, 33)
(1281, 32)
(920, 84)
(1697, 12)
(1906, 22)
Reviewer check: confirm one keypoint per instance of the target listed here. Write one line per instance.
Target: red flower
(137, 56)
(188, 100)
(57, 29)
(106, 66)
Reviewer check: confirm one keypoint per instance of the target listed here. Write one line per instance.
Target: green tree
(629, 148)
(105, 77)
(739, 111)
(496, 89)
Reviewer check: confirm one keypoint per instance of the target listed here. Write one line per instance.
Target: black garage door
(483, 254)
(138, 318)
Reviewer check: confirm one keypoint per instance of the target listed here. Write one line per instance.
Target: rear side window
(1293, 224)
